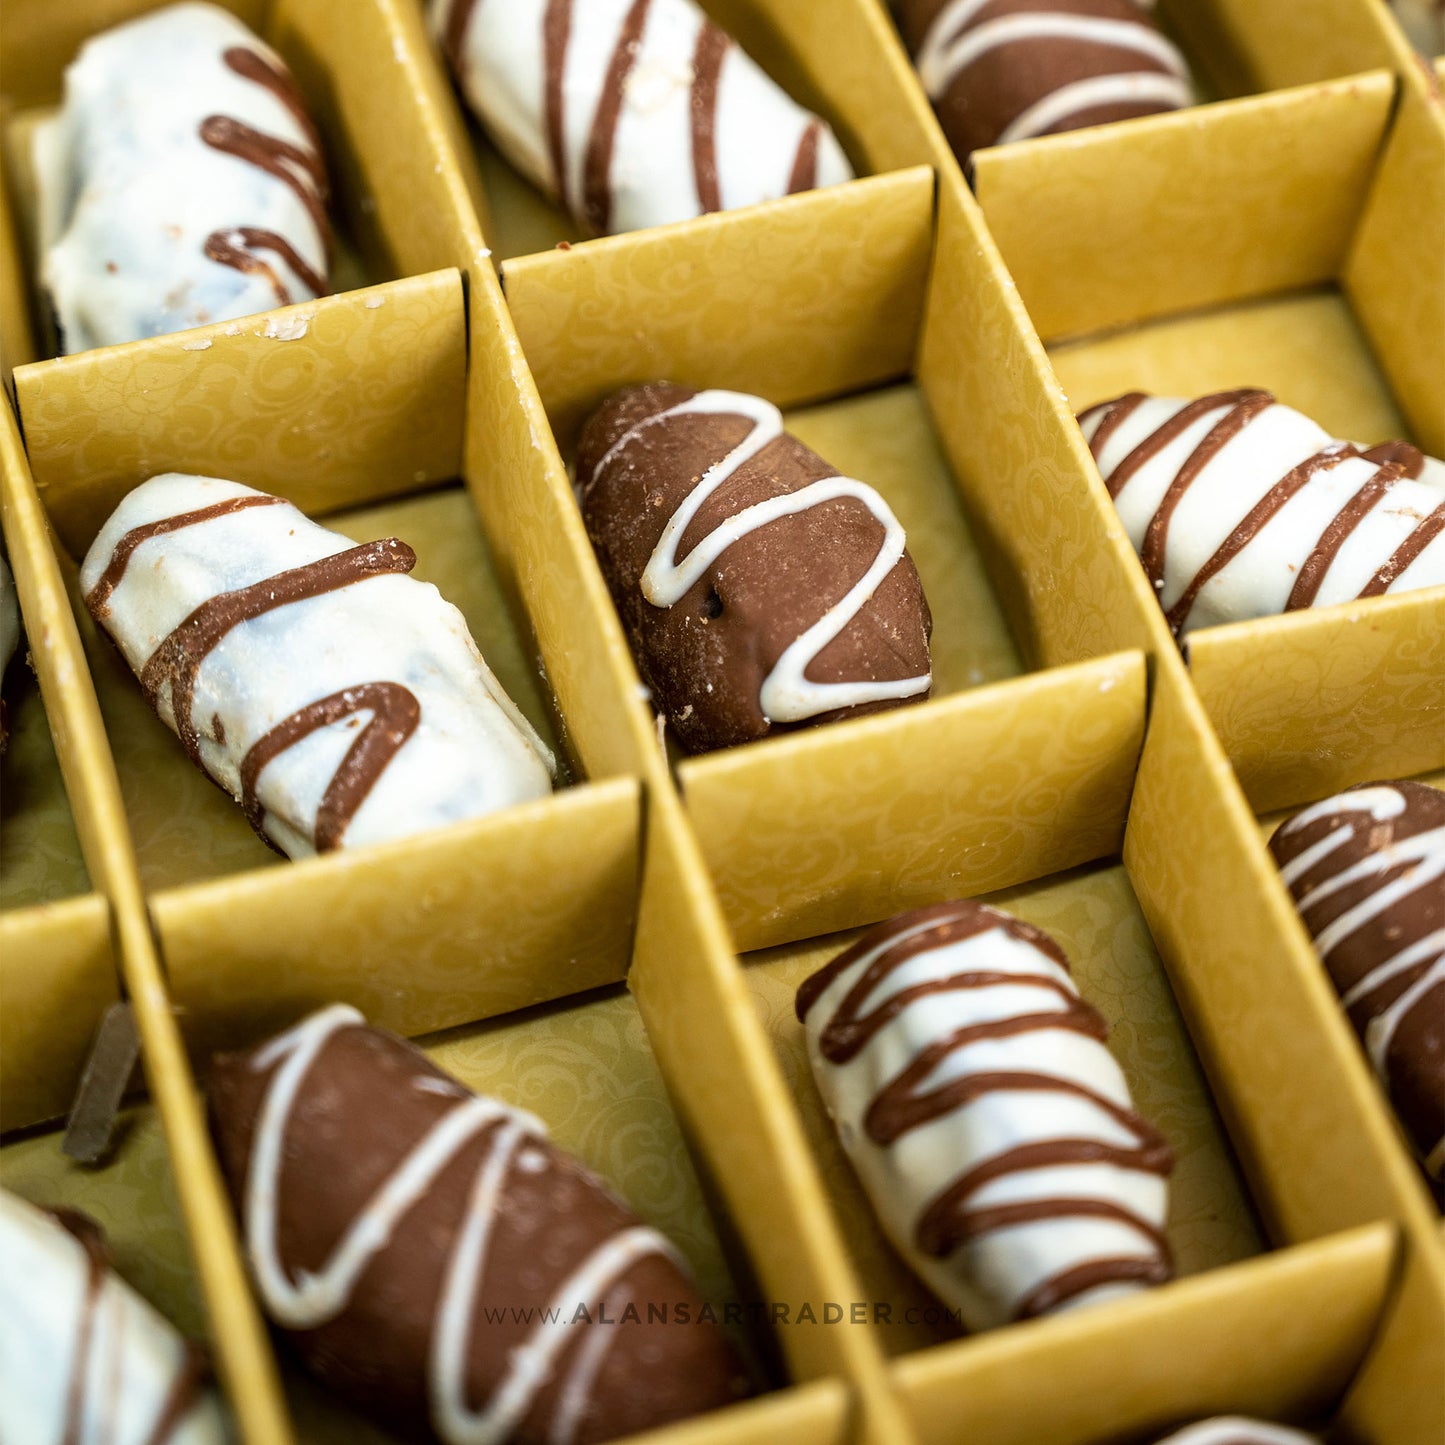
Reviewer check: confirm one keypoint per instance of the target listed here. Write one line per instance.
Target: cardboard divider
(1258, 45)
(951, 798)
(57, 976)
(1193, 209)
(1312, 702)
(731, 1096)
(794, 332)
(1287, 1071)
(1278, 1337)
(336, 403)
(459, 924)
(243, 1359)
(1393, 274)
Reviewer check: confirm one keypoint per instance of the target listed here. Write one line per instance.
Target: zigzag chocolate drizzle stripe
(1156, 536)
(300, 168)
(1312, 573)
(1405, 553)
(787, 693)
(906, 1102)
(1252, 524)
(237, 248)
(707, 63)
(177, 661)
(306, 1300)
(82, 1407)
(395, 714)
(98, 598)
(556, 35)
(597, 167)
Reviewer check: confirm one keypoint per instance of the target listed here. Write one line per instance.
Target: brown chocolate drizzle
(177, 661)
(1321, 558)
(288, 163)
(1090, 1275)
(1176, 426)
(707, 63)
(1429, 528)
(1115, 414)
(900, 1106)
(1243, 408)
(1251, 526)
(597, 171)
(98, 598)
(454, 36)
(97, 1256)
(187, 1386)
(395, 713)
(253, 66)
(223, 247)
(556, 34)
(1410, 460)
(1394, 460)
(300, 168)
(804, 175)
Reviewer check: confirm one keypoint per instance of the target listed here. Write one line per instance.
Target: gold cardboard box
(1066, 761)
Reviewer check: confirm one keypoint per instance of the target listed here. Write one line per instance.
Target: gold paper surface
(56, 979)
(1276, 1337)
(1305, 1116)
(842, 321)
(458, 924)
(333, 403)
(811, 300)
(1394, 275)
(1312, 702)
(941, 800)
(731, 1096)
(1185, 210)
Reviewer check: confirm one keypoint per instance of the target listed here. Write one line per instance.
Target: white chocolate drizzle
(787, 694)
(301, 1299)
(957, 39)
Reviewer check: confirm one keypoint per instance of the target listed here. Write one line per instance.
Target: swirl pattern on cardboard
(338, 700)
(182, 182)
(1240, 507)
(760, 589)
(434, 1258)
(1007, 70)
(992, 1130)
(82, 1356)
(631, 113)
(1367, 871)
